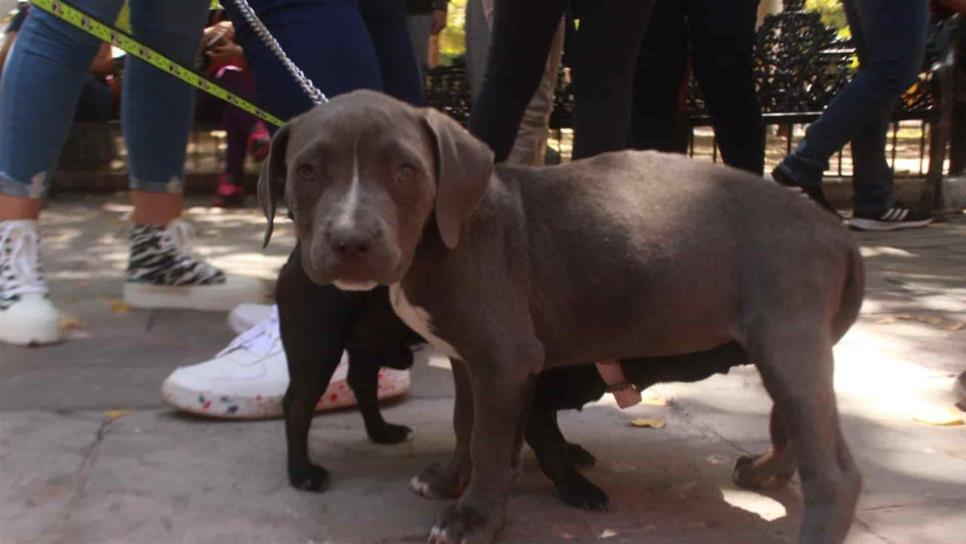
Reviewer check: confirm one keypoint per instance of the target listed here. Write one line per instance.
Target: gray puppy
(511, 271)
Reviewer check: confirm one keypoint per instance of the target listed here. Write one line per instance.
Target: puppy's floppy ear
(271, 182)
(463, 167)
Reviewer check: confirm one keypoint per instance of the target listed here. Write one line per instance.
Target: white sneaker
(245, 316)
(248, 379)
(165, 272)
(27, 317)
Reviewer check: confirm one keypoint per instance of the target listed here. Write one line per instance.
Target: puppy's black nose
(351, 242)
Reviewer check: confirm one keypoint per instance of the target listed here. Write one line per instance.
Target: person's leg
(957, 128)
(327, 40)
(723, 39)
(238, 126)
(477, 45)
(874, 205)
(659, 73)
(890, 35)
(386, 22)
(607, 43)
(419, 27)
(530, 145)
(39, 91)
(158, 110)
(521, 39)
(871, 175)
(237, 123)
(157, 115)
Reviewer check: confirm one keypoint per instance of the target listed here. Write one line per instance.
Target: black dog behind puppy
(570, 388)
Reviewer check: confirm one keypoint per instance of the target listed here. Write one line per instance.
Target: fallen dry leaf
(116, 414)
(940, 416)
(649, 422)
(654, 400)
(68, 322)
(120, 307)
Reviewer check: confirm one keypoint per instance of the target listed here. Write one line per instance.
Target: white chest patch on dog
(418, 320)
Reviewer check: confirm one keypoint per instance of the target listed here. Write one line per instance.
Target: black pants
(722, 41)
(603, 56)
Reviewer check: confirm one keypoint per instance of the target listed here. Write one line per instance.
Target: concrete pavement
(89, 453)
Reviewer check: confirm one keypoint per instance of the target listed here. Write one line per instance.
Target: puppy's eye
(305, 171)
(405, 173)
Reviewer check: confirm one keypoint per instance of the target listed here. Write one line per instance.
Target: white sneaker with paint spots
(248, 379)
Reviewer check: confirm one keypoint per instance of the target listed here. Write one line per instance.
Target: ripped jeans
(41, 85)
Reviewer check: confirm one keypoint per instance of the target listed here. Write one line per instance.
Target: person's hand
(224, 28)
(224, 53)
(218, 32)
(439, 21)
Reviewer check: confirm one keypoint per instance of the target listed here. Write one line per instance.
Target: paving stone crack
(868, 528)
(706, 430)
(935, 502)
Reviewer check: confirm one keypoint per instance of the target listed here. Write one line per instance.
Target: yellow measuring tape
(129, 45)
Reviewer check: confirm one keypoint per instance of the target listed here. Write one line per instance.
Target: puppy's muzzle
(350, 243)
(352, 254)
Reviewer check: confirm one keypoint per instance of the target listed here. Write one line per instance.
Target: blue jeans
(41, 85)
(339, 44)
(890, 36)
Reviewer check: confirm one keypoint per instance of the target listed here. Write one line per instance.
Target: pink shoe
(229, 194)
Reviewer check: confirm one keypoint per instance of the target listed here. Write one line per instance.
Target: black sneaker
(815, 194)
(898, 217)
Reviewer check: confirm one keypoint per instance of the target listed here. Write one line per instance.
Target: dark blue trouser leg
(386, 21)
(327, 40)
(890, 35)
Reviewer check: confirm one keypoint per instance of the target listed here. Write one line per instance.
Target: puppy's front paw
(387, 433)
(309, 478)
(579, 457)
(579, 492)
(438, 481)
(464, 525)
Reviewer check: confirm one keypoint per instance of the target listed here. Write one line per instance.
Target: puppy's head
(363, 176)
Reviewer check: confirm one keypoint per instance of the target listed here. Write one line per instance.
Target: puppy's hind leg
(773, 469)
(795, 360)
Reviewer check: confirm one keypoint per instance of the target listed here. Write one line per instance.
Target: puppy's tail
(852, 295)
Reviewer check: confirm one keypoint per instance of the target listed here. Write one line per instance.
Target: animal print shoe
(165, 272)
(27, 317)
